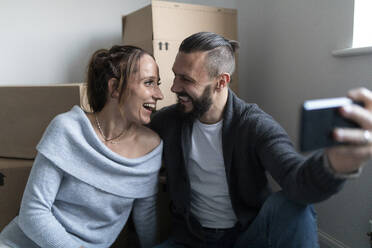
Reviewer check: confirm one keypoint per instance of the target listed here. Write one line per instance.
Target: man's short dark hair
(221, 52)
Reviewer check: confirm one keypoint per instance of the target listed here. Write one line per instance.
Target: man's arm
(308, 180)
(304, 180)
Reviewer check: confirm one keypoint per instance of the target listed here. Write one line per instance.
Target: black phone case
(317, 126)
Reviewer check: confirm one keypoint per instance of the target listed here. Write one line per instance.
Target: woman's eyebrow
(151, 77)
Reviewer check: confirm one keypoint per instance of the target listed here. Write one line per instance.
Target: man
(217, 149)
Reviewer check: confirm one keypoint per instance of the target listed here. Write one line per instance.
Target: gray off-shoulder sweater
(80, 193)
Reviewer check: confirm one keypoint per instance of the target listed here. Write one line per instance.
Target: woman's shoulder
(149, 138)
(73, 115)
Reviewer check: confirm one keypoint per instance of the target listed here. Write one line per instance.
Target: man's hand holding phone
(319, 118)
(358, 149)
(341, 125)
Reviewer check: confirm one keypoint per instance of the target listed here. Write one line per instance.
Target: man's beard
(200, 105)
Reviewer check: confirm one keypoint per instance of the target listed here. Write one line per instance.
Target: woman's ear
(223, 80)
(113, 88)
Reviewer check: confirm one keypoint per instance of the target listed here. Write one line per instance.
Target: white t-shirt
(210, 198)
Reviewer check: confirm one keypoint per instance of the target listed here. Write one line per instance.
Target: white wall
(51, 41)
(286, 59)
(46, 41)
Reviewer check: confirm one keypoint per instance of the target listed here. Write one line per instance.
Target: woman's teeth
(149, 106)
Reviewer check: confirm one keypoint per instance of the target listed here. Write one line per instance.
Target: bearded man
(218, 148)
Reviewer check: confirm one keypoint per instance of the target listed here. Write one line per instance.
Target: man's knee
(279, 201)
(289, 222)
(280, 207)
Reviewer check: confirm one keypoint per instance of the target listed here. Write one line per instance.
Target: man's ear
(223, 80)
(113, 88)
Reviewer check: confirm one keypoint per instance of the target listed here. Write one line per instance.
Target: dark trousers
(280, 223)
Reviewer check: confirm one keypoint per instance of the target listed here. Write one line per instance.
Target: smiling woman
(123, 89)
(93, 169)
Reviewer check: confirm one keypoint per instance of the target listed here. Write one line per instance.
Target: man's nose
(175, 86)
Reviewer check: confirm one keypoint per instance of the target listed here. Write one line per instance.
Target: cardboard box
(13, 178)
(161, 26)
(27, 110)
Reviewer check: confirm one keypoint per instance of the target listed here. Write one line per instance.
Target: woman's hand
(349, 158)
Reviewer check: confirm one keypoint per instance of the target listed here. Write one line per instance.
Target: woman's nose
(158, 94)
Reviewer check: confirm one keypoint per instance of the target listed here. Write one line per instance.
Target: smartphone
(318, 119)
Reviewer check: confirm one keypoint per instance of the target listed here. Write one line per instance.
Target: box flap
(176, 21)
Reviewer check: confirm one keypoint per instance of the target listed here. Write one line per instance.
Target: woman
(92, 169)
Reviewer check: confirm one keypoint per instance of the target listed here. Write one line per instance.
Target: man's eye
(159, 83)
(185, 79)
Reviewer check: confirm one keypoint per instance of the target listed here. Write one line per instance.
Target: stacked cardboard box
(25, 113)
(14, 174)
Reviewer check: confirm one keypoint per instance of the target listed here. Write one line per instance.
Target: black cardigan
(253, 142)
